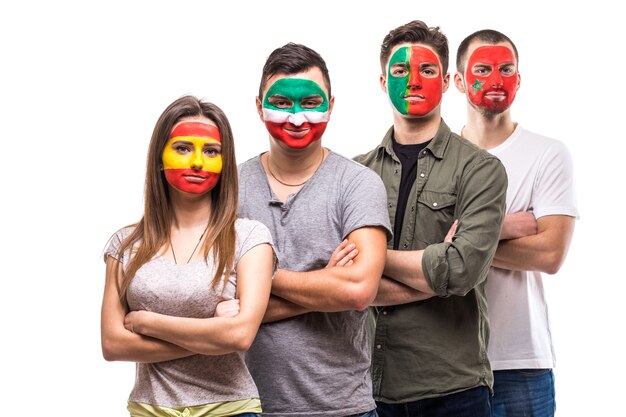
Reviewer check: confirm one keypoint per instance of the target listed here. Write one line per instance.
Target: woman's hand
(227, 308)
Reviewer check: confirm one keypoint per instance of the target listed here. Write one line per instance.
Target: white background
(82, 85)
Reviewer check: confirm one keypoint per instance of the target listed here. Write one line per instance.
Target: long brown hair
(153, 230)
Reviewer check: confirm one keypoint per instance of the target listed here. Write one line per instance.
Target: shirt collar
(437, 145)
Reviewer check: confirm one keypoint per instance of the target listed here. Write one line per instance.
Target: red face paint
(491, 77)
(192, 158)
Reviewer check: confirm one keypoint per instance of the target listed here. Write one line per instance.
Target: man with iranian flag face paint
(537, 229)
(319, 207)
(191, 159)
(296, 111)
(446, 201)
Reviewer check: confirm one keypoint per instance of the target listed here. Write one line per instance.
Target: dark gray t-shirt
(315, 364)
(185, 290)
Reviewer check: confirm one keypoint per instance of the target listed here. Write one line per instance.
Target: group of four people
(281, 257)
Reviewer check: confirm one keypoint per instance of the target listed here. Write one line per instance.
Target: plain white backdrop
(83, 83)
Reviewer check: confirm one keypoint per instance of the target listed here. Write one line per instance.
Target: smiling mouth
(297, 133)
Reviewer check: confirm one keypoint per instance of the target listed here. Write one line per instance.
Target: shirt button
(422, 175)
(384, 313)
(434, 204)
(389, 205)
(412, 208)
(378, 346)
(395, 172)
(404, 245)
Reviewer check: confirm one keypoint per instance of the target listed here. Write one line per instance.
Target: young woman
(167, 274)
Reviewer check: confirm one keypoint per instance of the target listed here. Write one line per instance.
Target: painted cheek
(178, 178)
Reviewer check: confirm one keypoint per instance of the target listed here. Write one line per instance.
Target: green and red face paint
(414, 80)
(296, 111)
(492, 78)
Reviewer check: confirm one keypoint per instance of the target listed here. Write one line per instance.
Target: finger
(340, 247)
(345, 251)
(348, 257)
(350, 262)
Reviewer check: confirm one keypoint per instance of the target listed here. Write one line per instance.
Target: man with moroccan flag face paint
(445, 199)
(191, 158)
(319, 207)
(537, 230)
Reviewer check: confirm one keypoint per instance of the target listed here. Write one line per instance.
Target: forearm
(544, 251)
(391, 292)
(124, 345)
(329, 289)
(406, 267)
(206, 336)
(280, 309)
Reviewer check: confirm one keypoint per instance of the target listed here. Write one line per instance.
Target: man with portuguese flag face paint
(325, 212)
(446, 199)
(537, 230)
(191, 159)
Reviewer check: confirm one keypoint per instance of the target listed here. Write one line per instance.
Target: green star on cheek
(478, 85)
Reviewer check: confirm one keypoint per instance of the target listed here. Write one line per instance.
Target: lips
(414, 97)
(297, 132)
(194, 178)
(496, 94)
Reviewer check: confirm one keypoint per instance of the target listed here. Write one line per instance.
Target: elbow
(553, 263)
(242, 340)
(109, 351)
(362, 296)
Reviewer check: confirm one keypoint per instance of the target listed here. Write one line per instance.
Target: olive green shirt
(438, 346)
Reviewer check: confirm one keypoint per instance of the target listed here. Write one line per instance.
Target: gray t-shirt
(184, 290)
(316, 364)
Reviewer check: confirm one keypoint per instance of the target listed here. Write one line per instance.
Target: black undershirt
(407, 154)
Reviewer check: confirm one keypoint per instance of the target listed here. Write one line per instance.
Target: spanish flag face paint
(192, 157)
(296, 111)
(414, 80)
(492, 78)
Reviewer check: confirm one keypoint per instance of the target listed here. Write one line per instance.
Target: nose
(296, 119)
(415, 80)
(496, 79)
(196, 159)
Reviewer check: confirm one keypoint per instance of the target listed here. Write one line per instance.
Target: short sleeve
(553, 192)
(115, 243)
(251, 233)
(365, 203)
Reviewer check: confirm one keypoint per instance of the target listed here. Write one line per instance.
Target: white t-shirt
(540, 178)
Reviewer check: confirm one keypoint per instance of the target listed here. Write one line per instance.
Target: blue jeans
(473, 402)
(523, 392)
(368, 414)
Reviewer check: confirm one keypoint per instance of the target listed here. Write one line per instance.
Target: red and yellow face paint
(492, 78)
(192, 157)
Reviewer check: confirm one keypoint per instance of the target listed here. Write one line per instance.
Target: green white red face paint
(296, 111)
(192, 160)
(492, 78)
(414, 80)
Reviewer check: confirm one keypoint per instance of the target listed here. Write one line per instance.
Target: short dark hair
(292, 58)
(489, 36)
(416, 32)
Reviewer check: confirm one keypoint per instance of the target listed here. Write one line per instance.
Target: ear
(259, 108)
(458, 82)
(331, 104)
(446, 83)
(383, 83)
(519, 81)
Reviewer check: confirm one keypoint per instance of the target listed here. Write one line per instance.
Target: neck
(189, 211)
(294, 165)
(415, 130)
(487, 131)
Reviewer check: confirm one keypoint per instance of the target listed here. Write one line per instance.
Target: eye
(281, 102)
(212, 152)
(182, 149)
(429, 72)
(311, 102)
(481, 70)
(507, 70)
(399, 70)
